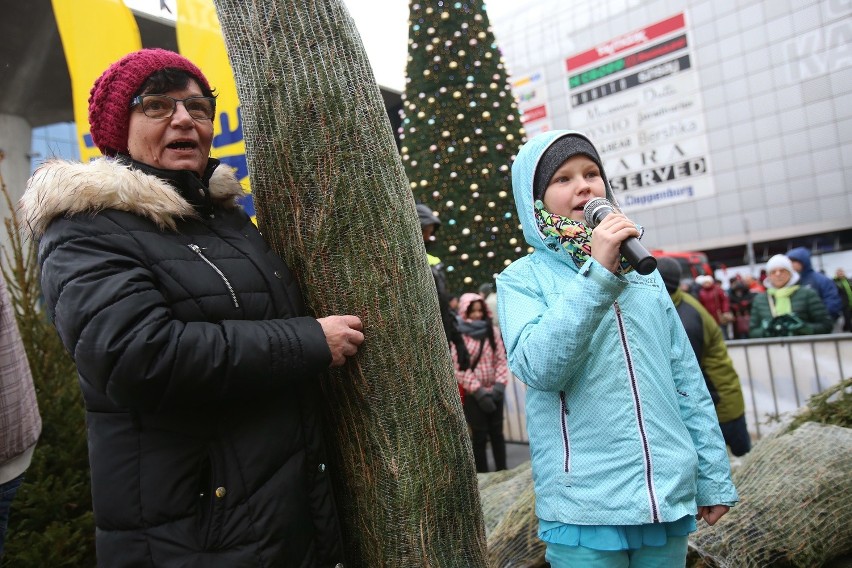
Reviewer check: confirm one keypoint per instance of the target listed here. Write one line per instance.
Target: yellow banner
(94, 33)
(199, 38)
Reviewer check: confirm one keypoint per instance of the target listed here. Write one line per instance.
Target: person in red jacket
(715, 301)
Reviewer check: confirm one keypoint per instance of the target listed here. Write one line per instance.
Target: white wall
(15, 141)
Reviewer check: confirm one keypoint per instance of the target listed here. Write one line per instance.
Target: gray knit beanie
(562, 149)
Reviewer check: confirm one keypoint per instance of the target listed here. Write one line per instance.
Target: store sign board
(637, 97)
(531, 95)
(625, 42)
(652, 53)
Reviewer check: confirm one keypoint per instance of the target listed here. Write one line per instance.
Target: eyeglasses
(163, 106)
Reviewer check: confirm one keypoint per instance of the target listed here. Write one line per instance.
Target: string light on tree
(461, 135)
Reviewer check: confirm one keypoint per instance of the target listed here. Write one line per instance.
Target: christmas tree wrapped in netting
(511, 527)
(795, 491)
(459, 135)
(795, 504)
(332, 198)
(795, 507)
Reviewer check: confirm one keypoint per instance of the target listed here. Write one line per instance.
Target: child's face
(574, 184)
(475, 311)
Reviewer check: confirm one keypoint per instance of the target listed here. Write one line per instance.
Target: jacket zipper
(566, 441)
(649, 477)
(197, 250)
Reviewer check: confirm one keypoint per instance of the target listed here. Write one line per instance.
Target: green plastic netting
(333, 200)
(508, 507)
(795, 504)
(795, 507)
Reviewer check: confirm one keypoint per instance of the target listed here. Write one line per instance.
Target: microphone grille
(592, 207)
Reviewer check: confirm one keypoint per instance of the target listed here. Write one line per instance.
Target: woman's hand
(343, 335)
(607, 238)
(712, 513)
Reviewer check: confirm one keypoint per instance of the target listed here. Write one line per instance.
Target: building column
(15, 144)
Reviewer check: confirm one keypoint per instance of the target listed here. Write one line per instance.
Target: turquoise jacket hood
(523, 172)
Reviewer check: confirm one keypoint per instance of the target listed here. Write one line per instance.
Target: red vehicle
(692, 264)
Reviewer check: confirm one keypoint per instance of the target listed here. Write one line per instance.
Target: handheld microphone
(631, 249)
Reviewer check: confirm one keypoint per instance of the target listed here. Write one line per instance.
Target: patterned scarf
(575, 237)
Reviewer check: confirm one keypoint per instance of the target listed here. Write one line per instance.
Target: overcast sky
(383, 25)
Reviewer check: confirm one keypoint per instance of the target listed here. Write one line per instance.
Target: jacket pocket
(566, 439)
(211, 501)
(205, 502)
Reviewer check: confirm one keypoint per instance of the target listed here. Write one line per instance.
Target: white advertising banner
(637, 97)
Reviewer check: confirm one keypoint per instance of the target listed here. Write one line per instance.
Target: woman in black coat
(198, 364)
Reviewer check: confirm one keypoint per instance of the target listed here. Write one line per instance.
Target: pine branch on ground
(51, 521)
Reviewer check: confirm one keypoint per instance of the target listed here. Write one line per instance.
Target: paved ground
(516, 454)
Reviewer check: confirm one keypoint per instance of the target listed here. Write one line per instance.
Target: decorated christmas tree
(459, 135)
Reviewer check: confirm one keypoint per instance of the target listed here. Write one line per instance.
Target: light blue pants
(672, 555)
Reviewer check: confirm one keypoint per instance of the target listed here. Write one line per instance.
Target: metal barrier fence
(777, 377)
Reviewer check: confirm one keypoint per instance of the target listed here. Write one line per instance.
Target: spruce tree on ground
(459, 135)
(51, 522)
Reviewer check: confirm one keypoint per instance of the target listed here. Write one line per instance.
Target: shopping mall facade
(720, 122)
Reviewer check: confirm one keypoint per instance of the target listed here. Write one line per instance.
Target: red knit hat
(109, 102)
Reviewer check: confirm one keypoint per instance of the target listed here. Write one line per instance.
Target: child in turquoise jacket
(625, 446)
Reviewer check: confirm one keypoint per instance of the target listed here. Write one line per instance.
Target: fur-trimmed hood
(63, 188)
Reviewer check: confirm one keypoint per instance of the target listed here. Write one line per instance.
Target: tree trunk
(333, 200)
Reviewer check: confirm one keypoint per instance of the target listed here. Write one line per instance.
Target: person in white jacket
(625, 446)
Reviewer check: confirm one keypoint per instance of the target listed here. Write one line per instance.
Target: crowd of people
(789, 298)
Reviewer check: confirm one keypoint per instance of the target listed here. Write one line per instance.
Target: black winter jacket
(197, 364)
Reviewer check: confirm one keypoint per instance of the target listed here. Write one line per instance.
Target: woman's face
(475, 311)
(779, 277)
(178, 142)
(577, 181)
